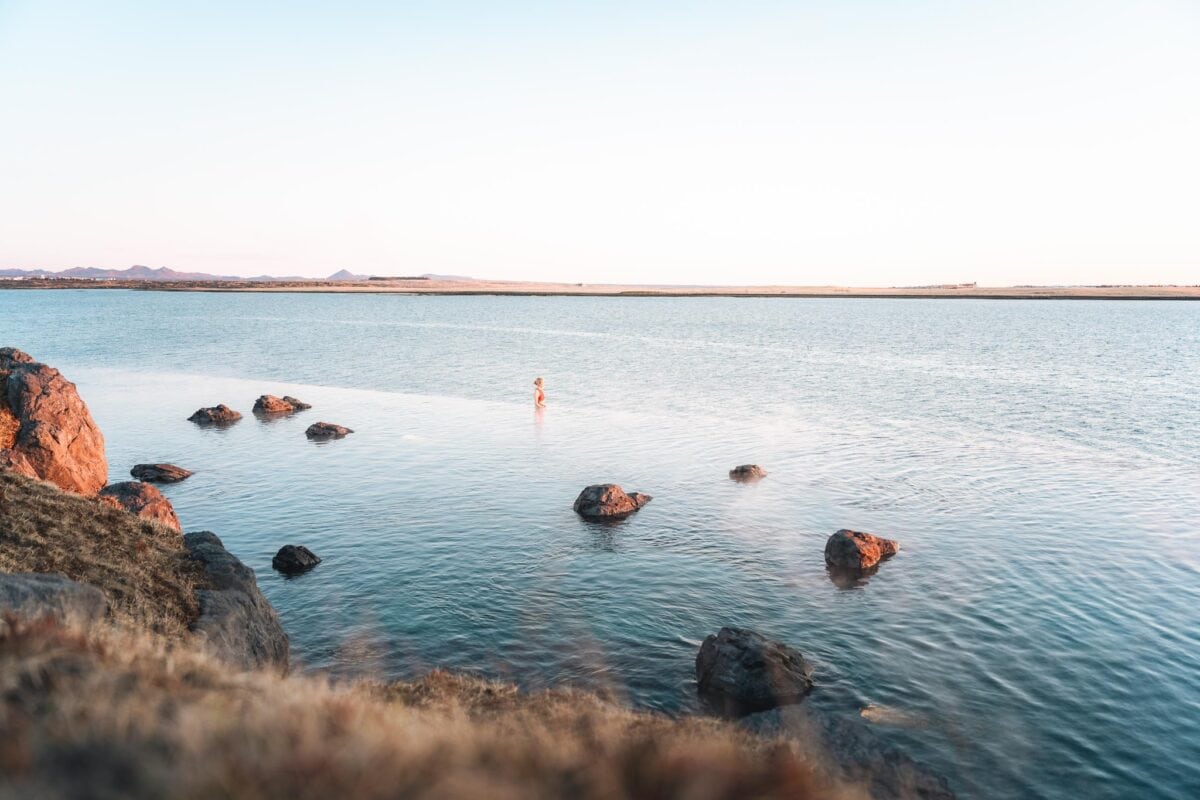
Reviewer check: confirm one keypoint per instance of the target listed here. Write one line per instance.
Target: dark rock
(326, 430)
(159, 473)
(269, 404)
(141, 499)
(748, 472)
(608, 501)
(46, 431)
(240, 626)
(292, 559)
(848, 549)
(216, 415)
(35, 594)
(741, 671)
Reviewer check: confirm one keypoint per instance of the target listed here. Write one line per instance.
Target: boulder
(215, 415)
(292, 559)
(46, 431)
(236, 621)
(141, 499)
(848, 549)
(326, 430)
(36, 594)
(159, 473)
(748, 472)
(270, 404)
(608, 501)
(742, 671)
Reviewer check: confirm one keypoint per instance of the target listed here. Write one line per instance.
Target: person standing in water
(539, 394)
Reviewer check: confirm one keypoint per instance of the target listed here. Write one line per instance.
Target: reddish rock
(46, 431)
(748, 472)
(141, 499)
(608, 501)
(270, 404)
(326, 430)
(160, 473)
(215, 415)
(856, 550)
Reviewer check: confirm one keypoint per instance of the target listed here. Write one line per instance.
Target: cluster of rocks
(47, 433)
(268, 407)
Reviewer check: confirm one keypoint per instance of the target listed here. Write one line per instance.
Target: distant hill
(346, 275)
(136, 273)
(166, 274)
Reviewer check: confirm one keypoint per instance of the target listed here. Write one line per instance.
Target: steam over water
(1038, 636)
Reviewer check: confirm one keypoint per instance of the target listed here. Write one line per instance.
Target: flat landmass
(521, 288)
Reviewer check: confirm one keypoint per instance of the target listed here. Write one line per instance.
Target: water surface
(1038, 460)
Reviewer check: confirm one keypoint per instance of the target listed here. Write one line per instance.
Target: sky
(861, 142)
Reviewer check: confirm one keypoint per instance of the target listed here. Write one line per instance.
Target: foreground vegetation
(112, 712)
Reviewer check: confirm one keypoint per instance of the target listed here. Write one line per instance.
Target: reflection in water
(846, 578)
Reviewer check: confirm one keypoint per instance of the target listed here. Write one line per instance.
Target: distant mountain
(136, 273)
(166, 274)
(347, 275)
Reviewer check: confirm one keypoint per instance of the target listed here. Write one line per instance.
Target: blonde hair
(538, 381)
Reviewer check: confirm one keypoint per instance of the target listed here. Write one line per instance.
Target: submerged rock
(46, 431)
(856, 550)
(34, 594)
(292, 559)
(748, 472)
(269, 404)
(326, 430)
(742, 671)
(215, 415)
(160, 473)
(608, 501)
(238, 623)
(141, 499)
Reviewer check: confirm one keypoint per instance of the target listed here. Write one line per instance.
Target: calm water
(1039, 461)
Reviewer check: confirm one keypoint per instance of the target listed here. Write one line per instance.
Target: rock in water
(748, 472)
(215, 415)
(608, 501)
(292, 559)
(141, 499)
(33, 595)
(743, 671)
(848, 549)
(326, 430)
(270, 404)
(159, 473)
(46, 431)
(238, 623)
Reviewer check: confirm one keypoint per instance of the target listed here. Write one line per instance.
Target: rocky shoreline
(47, 435)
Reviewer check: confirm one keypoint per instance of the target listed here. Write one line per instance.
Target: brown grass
(140, 565)
(110, 712)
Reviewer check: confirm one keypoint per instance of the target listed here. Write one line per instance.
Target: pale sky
(873, 142)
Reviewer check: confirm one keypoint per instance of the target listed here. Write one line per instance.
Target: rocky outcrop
(237, 622)
(35, 595)
(608, 501)
(855, 550)
(160, 473)
(219, 415)
(748, 472)
(143, 500)
(46, 431)
(293, 559)
(326, 430)
(269, 404)
(740, 671)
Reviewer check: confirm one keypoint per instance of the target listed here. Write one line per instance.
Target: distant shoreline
(522, 289)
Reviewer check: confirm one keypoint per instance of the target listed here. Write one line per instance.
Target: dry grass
(138, 564)
(113, 713)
